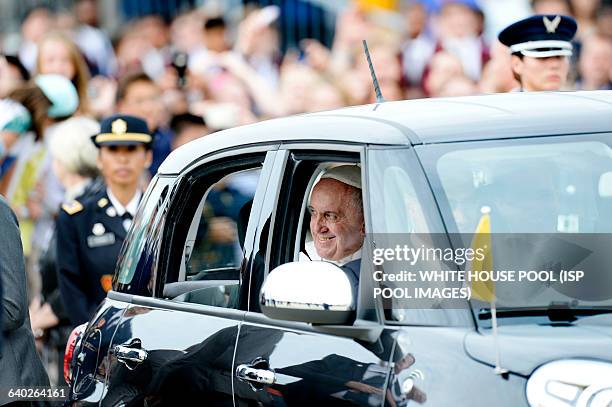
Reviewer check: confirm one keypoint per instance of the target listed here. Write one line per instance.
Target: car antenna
(379, 96)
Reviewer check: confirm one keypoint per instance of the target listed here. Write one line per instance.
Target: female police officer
(90, 233)
(541, 47)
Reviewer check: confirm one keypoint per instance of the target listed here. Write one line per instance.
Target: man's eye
(332, 217)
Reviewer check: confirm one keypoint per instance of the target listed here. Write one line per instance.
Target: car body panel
(545, 343)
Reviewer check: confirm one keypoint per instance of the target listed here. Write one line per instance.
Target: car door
(176, 347)
(280, 363)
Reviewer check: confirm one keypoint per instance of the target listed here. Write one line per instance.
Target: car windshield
(542, 207)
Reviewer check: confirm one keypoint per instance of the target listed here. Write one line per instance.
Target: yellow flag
(483, 290)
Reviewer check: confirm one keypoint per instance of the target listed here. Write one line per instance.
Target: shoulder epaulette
(72, 207)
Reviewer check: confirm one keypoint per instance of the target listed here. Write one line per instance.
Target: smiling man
(336, 219)
(540, 47)
(90, 233)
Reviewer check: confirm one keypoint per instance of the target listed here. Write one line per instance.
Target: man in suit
(336, 219)
(90, 233)
(20, 365)
(540, 46)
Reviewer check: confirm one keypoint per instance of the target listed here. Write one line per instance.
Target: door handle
(251, 374)
(130, 354)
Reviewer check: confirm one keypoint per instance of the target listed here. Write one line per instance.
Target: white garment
(311, 255)
(130, 208)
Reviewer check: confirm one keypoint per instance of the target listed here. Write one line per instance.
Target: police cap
(123, 130)
(540, 36)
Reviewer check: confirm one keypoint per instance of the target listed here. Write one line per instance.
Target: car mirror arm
(366, 331)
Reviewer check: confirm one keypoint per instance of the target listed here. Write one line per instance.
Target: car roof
(420, 121)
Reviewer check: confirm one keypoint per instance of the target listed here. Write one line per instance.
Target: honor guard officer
(540, 47)
(90, 233)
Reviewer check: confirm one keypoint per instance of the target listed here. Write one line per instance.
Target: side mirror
(312, 291)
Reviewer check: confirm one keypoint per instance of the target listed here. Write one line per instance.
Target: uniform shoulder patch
(72, 207)
(102, 202)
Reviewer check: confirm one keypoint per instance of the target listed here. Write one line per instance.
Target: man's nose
(320, 222)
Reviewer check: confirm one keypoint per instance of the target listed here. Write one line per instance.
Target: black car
(213, 302)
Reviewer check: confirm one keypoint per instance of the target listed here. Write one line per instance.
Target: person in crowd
(29, 185)
(419, 45)
(74, 163)
(37, 22)
(187, 127)
(138, 95)
(12, 74)
(459, 28)
(58, 54)
(91, 232)
(585, 13)
(595, 63)
(19, 363)
(540, 46)
(561, 7)
(94, 43)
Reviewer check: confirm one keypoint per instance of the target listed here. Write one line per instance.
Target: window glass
(139, 254)
(393, 199)
(530, 188)
(214, 245)
(222, 222)
(543, 205)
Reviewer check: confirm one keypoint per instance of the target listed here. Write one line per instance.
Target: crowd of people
(199, 73)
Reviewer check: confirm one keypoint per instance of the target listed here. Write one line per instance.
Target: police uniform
(540, 36)
(90, 233)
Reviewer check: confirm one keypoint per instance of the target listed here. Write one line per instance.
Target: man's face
(122, 166)
(143, 99)
(538, 74)
(336, 221)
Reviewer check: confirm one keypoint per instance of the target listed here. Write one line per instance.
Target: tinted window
(210, 230)
(136, 263)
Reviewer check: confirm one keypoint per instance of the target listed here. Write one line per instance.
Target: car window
(291, 237)
(220, 226)
(137, 261)
(211, 231)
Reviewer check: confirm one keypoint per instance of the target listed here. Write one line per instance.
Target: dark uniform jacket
(89, 237)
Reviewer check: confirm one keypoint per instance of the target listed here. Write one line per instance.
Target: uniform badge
(112, 212)
(106, 281)
(98, 229)
(102, 202)
(106, 239)
(72, 207)
(551, 26)
(119, 126)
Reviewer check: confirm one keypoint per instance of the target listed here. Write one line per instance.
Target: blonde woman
(58, 54)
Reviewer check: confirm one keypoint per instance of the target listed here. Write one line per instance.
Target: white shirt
(130, 208)
(311, 255)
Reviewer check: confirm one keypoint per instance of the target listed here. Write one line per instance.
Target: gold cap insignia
(72, 207)
(119, 126)
(551, 26)
(102, 202)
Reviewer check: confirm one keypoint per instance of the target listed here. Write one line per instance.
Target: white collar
(312, 255)
(131, 207)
